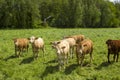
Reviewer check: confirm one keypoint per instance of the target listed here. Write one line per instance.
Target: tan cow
(83, 48)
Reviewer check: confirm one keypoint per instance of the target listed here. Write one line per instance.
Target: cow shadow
(103, 64)
(51, 61)
(70, 68)
(10, 57)
(27, 60)
(49, 70)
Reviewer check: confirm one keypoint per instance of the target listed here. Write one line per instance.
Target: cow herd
(65, 48)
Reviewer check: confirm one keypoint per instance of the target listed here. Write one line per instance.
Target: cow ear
(28, 38)
(53, 46)
(108, 41)
(84, 45)
(51, 42)
(63, 47)
(58, 42)
(14, 39)
(36, 38)
(76, 45)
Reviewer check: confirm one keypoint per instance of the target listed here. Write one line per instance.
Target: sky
(112, 0)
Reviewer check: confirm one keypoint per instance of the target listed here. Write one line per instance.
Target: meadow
(46, 68)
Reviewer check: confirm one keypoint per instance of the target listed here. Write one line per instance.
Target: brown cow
(83, 48)
(113, 48)
(20, 45)
(78, 38)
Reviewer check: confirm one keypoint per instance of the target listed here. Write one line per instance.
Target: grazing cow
(37, 43)
(62, 50)
(78, 38)
(113, 48)
(20, 45)
(83, 48)
(72, 44)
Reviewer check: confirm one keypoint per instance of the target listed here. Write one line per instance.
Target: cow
(62, 51)
(37, 44)
(113, 48)
(83, 48)
(20, 45)
(78, 38)
(72, 44)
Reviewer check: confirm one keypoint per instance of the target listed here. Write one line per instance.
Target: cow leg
(60, 68)
(65, 60)
(117, 57)
(19, 52)
(82, 59)
(16, 51)
(72, 52)
(34, 54)
(37, 53)
(91, 56)
(78, 59)
(43, 50)
(60, 64)
(108, 57)
(27, 48)
(114, 57)
(64, 63)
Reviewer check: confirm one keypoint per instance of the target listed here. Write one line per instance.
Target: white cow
(37, 44)
(72, 44)
(62, 50)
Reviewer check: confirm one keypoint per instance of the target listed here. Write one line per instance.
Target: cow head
(54, 44)
(15, 40)
(109, 43)
(80, 49)
(32, 39)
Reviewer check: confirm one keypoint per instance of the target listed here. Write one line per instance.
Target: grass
(24, 68)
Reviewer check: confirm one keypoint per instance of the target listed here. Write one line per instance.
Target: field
(25, 68)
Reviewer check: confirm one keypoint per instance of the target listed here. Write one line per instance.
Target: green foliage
(19, 14)
(59, 13)
(25, 68)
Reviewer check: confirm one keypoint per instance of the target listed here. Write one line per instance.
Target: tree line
(59, 13)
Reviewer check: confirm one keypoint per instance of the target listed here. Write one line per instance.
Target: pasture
(25, 68)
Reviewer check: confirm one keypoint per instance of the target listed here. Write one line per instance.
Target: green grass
(24, 68)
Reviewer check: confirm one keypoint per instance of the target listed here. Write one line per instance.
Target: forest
(29, 14)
